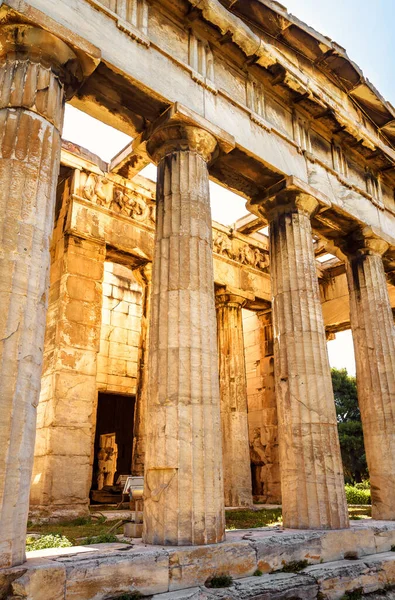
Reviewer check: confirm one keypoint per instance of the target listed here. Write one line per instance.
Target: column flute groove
(312, 484)
(373, 331)
(233, 389)
(183, 475)
(33, 89)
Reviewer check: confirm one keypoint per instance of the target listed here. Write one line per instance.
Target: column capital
(181, 129)
(226, 299)
(362, 242)
(289, 196)
(174, 137)
(26, 42)
(229, 296)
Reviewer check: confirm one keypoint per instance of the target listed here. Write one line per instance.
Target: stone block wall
(120, 330)
(262, 412)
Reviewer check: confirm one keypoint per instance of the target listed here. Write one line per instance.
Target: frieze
(104, 192)
(237, 250)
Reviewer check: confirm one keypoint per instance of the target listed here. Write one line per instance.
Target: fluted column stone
(265, 440)
(36, 71)
(183, 465)
(233, 391)
(373, 333)
(312, 480)
(144, 277)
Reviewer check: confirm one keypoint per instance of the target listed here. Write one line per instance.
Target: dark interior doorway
(115, 415)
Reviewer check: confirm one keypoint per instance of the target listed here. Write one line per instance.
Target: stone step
(106, 571)
(338, 580)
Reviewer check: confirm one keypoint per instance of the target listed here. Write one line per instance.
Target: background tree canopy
(349, 426)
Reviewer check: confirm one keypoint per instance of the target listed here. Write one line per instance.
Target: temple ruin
(140, 337)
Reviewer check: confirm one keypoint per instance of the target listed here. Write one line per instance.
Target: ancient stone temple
(138, 336)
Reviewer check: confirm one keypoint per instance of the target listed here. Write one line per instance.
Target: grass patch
(83, 527)
(219, 581)
(250, 519)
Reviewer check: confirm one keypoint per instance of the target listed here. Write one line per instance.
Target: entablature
(268, 113)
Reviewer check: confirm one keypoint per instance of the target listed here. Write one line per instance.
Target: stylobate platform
(107, 571)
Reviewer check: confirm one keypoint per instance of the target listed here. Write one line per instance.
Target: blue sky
(363, 27)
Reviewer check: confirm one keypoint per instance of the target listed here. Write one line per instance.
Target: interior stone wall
(120, 330)
(67, 408)
(262, 411)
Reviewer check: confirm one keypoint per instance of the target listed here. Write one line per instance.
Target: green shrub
(219, 581)
(47, 541)
(103, 538)
(363, 485)
(257, 573)
(356, 495)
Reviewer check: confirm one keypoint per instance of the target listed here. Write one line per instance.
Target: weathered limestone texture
(262, 409)
(120, 330)
(233, 390)
(183, 472)
(67, 409)
(144, 275)
(373, 330)
(32, 98)
(312, 481)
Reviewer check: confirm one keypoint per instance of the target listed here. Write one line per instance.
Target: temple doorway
(113, 445)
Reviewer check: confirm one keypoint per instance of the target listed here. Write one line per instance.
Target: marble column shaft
(183, 466)
(233, 390)
(270, 472)
(144, 277)
(373, 332)
(32, 100)
(312, 480)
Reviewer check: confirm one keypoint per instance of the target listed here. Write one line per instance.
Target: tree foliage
(349, 426)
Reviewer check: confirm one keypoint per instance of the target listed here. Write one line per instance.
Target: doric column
(233, 390)
(373, 333)
(263, 420)
(312, 481)
(36, 71)
(144, 277)
(184, 501)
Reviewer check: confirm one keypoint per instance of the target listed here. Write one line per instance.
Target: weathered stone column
(263, 420)
(144, 277)
(373, 333)
(35, 66)
(233, 391)
(184, 502)
(312, 481)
